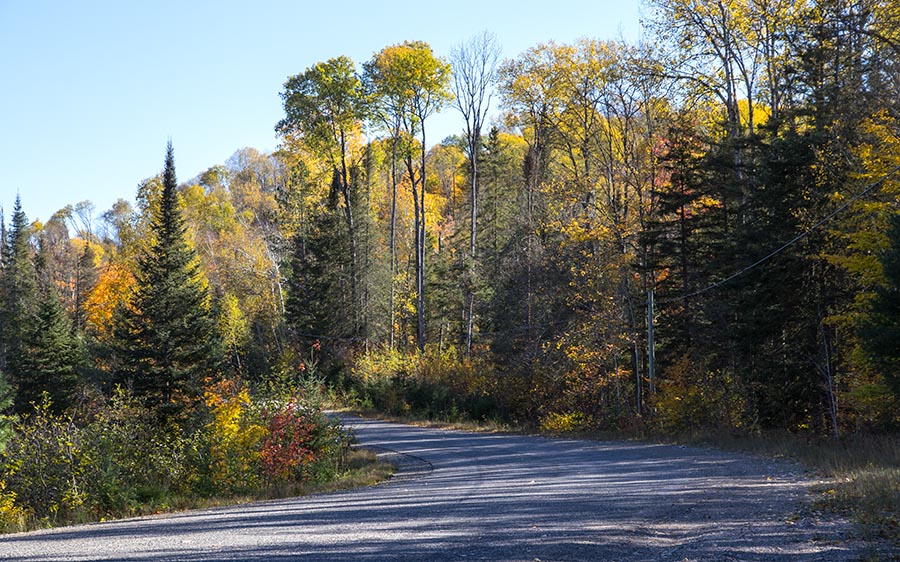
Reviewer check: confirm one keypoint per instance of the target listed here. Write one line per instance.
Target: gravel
(462, 496)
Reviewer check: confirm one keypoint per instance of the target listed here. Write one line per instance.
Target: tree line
(695, 231)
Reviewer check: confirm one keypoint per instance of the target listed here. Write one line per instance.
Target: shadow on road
(462, 496)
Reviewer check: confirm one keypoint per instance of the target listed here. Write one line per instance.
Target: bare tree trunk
(367, 251)
(470, 308)
(420, 254)
(344, 175)
(828, 373)
(393, 331)
(475, 68)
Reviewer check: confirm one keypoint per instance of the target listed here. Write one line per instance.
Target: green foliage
(436, 384)
(881, 331)
(318, 289)
(19, 300)
(51, 357)
(131, 462)
(166, 337)
(6, 402)
(117, 458)
(43, 465)
(325, 105)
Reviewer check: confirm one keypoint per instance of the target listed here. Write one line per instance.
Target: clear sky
(90, 91)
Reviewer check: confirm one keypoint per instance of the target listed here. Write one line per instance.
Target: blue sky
(90, 91)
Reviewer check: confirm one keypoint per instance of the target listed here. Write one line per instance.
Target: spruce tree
(166, 338)
(6, 421)
(51, 356)
(19, 303)
(880, 333)
(319, 302)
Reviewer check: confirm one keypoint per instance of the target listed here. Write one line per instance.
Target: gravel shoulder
(474, 496)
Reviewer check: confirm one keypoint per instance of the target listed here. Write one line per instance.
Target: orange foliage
(113, 287)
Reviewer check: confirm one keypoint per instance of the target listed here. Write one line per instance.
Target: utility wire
(789, 243)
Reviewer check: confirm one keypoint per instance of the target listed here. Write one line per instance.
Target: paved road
(463, 496)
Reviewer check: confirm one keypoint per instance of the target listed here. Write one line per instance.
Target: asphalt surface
(464, 496)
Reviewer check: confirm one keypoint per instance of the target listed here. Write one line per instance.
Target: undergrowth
(115, 458)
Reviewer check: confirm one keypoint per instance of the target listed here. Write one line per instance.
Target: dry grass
(871, 496)
(362, 469)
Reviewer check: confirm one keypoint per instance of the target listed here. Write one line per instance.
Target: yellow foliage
(690, 396)
(235, 434)
(112, 288)
(555, 422)
(12, 517)
(79, 245)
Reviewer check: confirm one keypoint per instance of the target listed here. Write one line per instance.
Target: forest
(699, 231)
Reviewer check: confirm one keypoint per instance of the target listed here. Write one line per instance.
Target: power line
(789, 243)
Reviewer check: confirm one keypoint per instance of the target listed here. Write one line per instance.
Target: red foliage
(288, 444)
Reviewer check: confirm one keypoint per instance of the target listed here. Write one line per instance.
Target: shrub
(302, 443)
(129, 459)
(6, 402)
(12, 517)
(43, 464)
(117, 457)
(561, 423)
(692, 397)
(234, 435)
(437, 384)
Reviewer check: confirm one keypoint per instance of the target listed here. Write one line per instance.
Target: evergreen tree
(19, 304)
(166, 339)
(318, 302)
(6, 421)
(881, 332)
(85, 280)
(3, 241)
(675, 236)
(51, 357)
(774, 321)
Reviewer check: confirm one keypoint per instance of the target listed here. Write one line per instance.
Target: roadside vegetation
(113, 458)
(694, 235)
(859, 470)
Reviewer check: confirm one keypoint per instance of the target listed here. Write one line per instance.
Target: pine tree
(166, 338)
(51, 356)
(85, 280)
(19, 304)
(880, 334)
(318, 302)
(6, 422)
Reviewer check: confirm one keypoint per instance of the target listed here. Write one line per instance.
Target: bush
(115, 457)
(439, 384)
(691, 397)
(561, 423)
(6, 402)
(233, 436)
(131, 460)
(44, 468)
(12, 517)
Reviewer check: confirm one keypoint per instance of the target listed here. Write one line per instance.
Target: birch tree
(474, 72)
